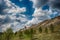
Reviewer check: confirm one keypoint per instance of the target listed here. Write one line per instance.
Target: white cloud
(22, 19)
(15, 10)
(19, 22)
(2, 16)
(33, 21)
(34, 3)
(12, 10)
(5, 26)
(40, 12)
(39, 15)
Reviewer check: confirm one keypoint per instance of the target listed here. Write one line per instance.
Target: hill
(46, 30)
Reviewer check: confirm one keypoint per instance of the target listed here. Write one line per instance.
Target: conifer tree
(40, 29)
(20, 35)
(46, 30)
(51, 28)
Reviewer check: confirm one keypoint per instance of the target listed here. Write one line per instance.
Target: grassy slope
(50, 35)
(46, 34)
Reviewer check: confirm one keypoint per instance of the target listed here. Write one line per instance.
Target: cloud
(17, 26)
(39, 15)
(1, 10)
(39, 3)
(11, 14)
(55, 4)
(2, 17)
(40, 12)
(13, 8)
(4, 27)
(8, 15)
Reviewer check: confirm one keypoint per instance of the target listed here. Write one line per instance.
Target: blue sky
(25, 3)
(19, 13)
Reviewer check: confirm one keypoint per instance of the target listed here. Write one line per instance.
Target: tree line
(22, 34)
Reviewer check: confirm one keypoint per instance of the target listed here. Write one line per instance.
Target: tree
(32, 32)
(51, 28)
(40, 29)
(27, 32)
(9, 34)
(20, 35)
(1, 35)
(46, 30)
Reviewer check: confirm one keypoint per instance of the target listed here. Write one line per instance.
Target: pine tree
(9, 34)
(27, 33)
(51, 28)
(40, 29)
(46, 30)
(20, 35)
(32, 32)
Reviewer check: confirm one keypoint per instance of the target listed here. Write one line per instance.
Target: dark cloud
(41, 3)
(1, 20)
(2, 13)
(2, 7)
(55, 4)
(18, 20)
(5, 20)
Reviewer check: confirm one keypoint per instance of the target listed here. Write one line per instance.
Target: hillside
(46, 30)
(47, 23)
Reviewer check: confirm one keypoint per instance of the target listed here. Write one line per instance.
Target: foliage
(40, 29)
(51, 28)
(46, 30)
(30, 34)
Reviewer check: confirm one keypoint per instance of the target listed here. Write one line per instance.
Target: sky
(17, 14)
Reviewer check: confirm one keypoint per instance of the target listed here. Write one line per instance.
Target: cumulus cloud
(13, 8)
(11, 14)
(4, 27)
(54, 4)
(39, 16)
(40, 12)
(8, 15)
